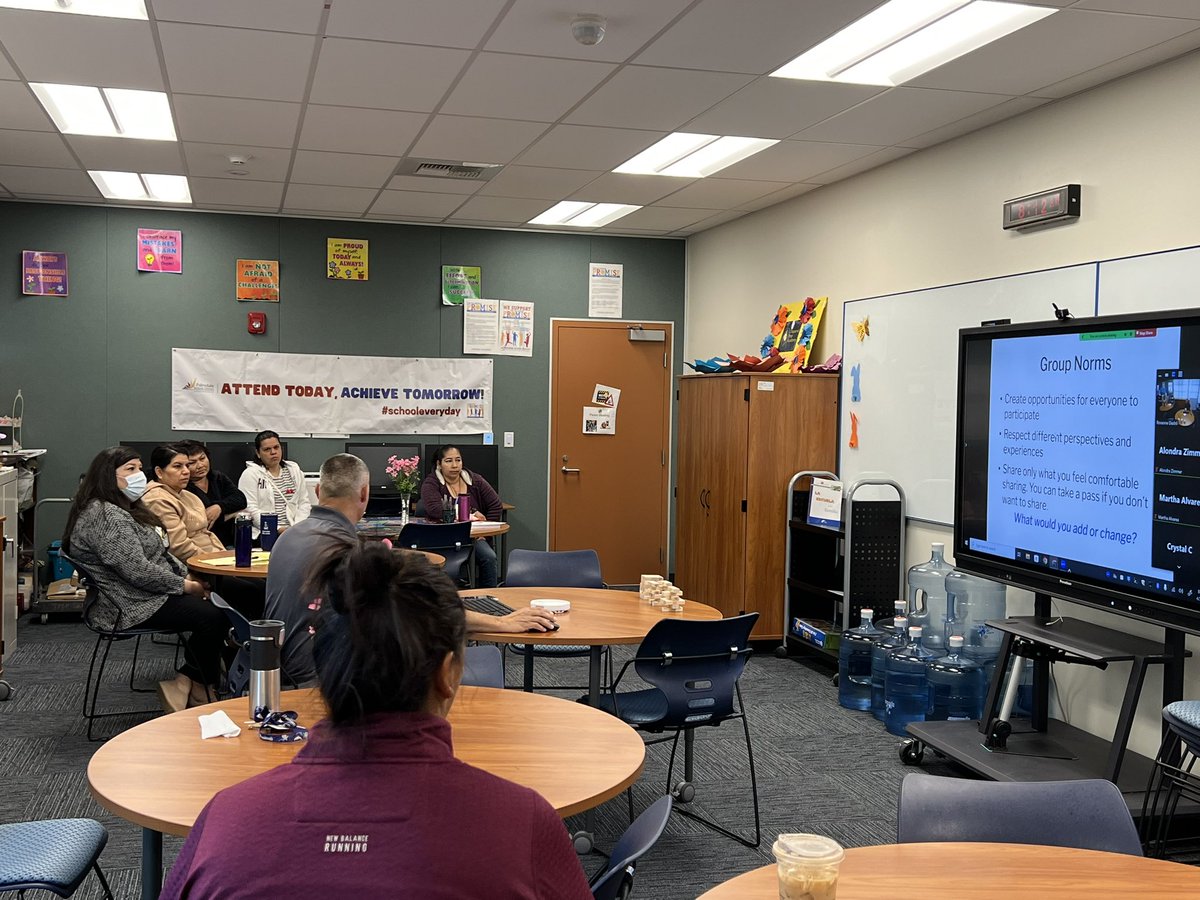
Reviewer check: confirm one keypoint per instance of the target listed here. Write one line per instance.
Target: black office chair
(108, 637)
(1089, 814)
(544, 568)
(452, 540)
(616, 879)
(694, 667)
(1173, 776)
(51, 855)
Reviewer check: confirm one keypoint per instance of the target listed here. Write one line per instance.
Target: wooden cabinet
(741, 437)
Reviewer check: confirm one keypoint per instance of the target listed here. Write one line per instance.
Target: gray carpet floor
(821, 768)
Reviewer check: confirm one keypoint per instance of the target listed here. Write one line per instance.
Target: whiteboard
(908, 375)
(1155, 281)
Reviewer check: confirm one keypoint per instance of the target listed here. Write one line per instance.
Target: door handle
(567, 471)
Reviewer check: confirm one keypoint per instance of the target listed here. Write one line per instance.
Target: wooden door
(608, 491)
(710, 558)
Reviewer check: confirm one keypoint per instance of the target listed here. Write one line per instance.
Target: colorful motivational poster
(347, 259)
(159, 250)
(43, 274)
(461, 283)
(258, 279)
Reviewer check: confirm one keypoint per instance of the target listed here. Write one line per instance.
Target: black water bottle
(242, 537)
(448, 509)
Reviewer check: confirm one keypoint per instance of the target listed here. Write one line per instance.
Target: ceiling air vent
(446, 168)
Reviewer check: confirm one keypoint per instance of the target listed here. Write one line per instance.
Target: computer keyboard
(488, 605)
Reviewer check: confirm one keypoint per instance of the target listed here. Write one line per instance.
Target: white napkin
(218, 724)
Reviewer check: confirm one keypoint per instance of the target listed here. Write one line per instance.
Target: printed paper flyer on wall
(516, 328)
(44, 273)
(346, 259)
(301, 393)
(498, 327)
(461, 283)
(159, 250)
(606, 395)
(605, 290)
(599, 420)
(481, 324)
(257, 279)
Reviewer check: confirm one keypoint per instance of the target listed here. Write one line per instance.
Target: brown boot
(174, 694)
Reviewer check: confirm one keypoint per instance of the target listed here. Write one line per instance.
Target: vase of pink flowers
(405, 474)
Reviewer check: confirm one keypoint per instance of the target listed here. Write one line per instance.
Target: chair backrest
(548, 568)
(238, 623)
(1089, 814)
(427, 536)
(696, 664)
(92, 595)
(637, 840)
(483, 666)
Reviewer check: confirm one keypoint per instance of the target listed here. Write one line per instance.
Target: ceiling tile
(35, 148)
(756, 37)
(258, 123)
(415, 204)
(712, 222)
(300, 16)
(501, 209)
(723, 193)
(353, 73)
(787, 193)
(662, 218)
(325, 198)
(236, 192)
(541, 184)
(80, 49)
(6, 70)
(21, 108)
(447, 23)
(658, 99)
(472, 139)
(258, 64)
(899, 113)
(636, 189)
(212, 161)
(350, 169)
(1125, 65)
(1006, 110)
(1181, 9)
(543, 28)
(523, 87)
(124, 155)
(424, 184)
(588, 147)
(349, 130)
(886, 155)
(1052, 49)
(796, 160)
(27, 180)
(230, 207)
(779, 107)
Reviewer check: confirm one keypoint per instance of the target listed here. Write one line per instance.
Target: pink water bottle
(464, 508)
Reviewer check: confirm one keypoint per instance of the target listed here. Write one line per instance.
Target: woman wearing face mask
(450, 480)
(180, 511)
(273, 484)
(123, 547)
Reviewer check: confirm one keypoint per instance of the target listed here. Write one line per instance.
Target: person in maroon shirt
(376, 805)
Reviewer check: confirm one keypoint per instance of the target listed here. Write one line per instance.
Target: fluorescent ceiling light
(132, 186)
(578, 214)
(692, 155)
(113, 9)
(110, 112)
(906, 38)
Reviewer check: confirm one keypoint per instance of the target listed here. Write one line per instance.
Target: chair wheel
(684, 791)
(583, 842)
(6, 691)
(781, 651)
(912, 752)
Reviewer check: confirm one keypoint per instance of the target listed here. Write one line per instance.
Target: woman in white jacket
(273, 484)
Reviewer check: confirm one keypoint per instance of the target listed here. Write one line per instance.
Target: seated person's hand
(526, 619)
(477, 516)
(213, 512)
(195, 587)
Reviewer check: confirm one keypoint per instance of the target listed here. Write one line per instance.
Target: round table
(984, 872)
(599, 617)
(205, 563)
(390, 526)
(160, 774)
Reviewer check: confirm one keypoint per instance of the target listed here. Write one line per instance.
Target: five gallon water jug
(927, 598)
(970, 602)
(955, 685)
(906, 687)
(854, 663)
(884, 645)
(888, 626)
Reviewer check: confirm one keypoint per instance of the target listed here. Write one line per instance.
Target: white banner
(299, 393)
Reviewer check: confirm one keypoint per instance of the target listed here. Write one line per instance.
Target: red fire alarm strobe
(256, 322)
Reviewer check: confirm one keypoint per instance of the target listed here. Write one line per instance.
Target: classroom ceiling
(330, 100)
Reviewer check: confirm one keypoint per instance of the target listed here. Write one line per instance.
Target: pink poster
(159, 250)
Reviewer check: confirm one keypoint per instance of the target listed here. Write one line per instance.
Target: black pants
(208, 627)
(247, 595)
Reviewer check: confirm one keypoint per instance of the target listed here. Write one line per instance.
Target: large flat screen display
(1078, 461)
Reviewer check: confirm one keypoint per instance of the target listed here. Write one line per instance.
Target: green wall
(95, 367)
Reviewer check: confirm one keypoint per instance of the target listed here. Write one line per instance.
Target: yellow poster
(258, 279)
(347, 259)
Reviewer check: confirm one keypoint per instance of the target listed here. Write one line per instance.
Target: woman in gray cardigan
(122, 546)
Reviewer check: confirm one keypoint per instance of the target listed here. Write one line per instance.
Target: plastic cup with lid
(808, 866)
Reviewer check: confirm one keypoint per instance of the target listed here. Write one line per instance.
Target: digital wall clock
(1053, 205)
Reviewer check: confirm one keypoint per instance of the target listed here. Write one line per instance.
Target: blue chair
(452, 540)
(483, 667)
(1173, 776)
(1089, 814)
(547, 568)
(694, 667)
(616, 879)
(51, 855)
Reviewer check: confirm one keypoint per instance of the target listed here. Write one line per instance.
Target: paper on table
(258, 556)
(218, 724)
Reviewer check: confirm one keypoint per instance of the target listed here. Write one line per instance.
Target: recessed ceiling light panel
(686, 155)
(108, 112)
(112, 9)
(580, 214)
(134, 186)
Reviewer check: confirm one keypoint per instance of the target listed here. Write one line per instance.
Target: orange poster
(258, 279)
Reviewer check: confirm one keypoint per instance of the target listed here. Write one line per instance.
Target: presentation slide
(1077, 433)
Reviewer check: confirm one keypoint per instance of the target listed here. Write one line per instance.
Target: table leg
(594, 655)
(151, 864)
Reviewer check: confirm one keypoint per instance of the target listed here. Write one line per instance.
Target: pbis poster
(346, 259)
(159, 250)
(258, 279)
(43, 274)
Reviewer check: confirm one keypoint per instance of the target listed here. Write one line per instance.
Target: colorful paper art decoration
(862, 328)
(795, 329)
